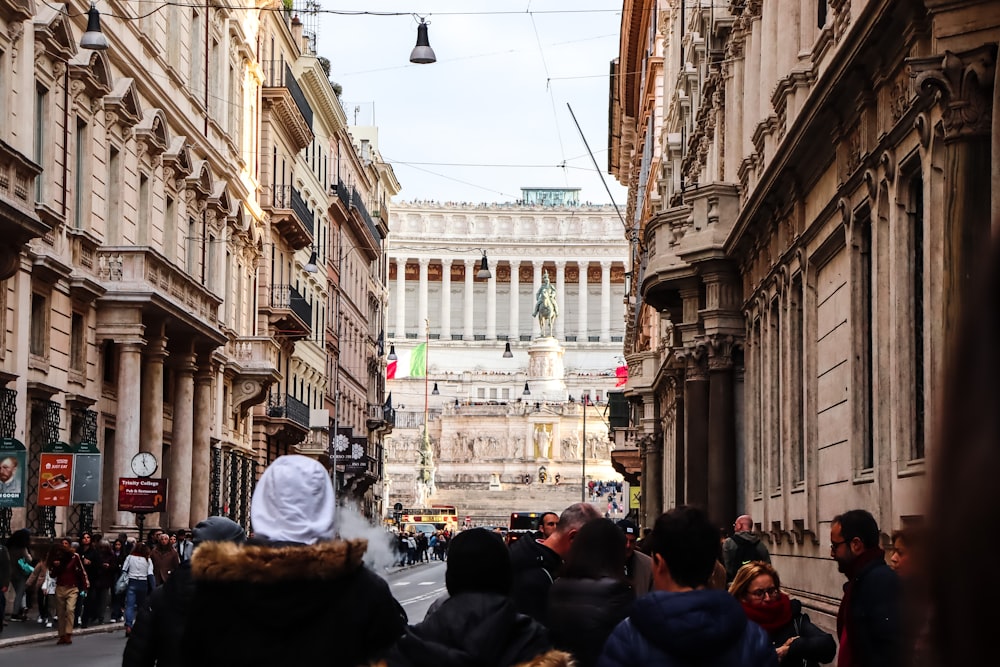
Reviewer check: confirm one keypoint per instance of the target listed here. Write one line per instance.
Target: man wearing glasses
(868, 621)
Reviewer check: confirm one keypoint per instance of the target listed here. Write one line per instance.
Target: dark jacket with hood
(583, 612)
(705, 627)
(273, 604)
(473, 628)
(159, 628)
(872, 619)
(534, 567)
(812, 647)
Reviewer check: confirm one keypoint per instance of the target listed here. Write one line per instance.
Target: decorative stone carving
(964, 83)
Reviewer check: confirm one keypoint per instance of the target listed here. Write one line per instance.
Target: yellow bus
(429, 519)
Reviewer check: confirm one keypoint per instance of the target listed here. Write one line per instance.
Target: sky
(490, 116)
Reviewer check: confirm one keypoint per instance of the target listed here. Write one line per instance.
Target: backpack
(746, 551)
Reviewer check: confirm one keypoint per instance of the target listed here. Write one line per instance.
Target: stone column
(151, 398)
(696, 431)
(424, 263)
(491, 304)
(536, 284)
(653, 491)
(606, 301)
(468, 333)
(128, 420)
(561, 299)
(721, 435)
(445, 299)
(201, 457)
(179, 465)
(515, 301)
(582, 327)
(400, 298)
(963, 85)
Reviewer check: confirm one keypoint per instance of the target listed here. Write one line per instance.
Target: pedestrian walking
(71, 582)
(18, 548)
(138, 567)
(4, 581)
(795, 639)
(591, 595)
(165, 558)
(743, 547)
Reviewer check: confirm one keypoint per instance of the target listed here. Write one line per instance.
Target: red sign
(55, 479)
(142, 494)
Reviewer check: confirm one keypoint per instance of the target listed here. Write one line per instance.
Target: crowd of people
(416, 546)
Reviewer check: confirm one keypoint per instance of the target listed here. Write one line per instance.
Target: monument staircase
(493, 507)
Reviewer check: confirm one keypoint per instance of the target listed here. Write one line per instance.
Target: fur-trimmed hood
(225, 562)
(266, 604)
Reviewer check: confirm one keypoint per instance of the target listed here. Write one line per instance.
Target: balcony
(284, 102)
(285, 418)
(254, 362)
(18, 221)
(381, 418)
(288, 312)
(290, 215)
(358, 204)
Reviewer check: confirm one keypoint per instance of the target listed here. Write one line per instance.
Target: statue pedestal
(546, 375)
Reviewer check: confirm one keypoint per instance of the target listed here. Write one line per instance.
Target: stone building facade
(809, 188)
(162, 198)
(436, 297)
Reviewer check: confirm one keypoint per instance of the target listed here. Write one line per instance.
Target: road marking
(426, 596)
(401, 583)
(426, 583)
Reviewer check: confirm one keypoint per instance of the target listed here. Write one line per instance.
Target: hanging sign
(12, 466)
(55, 474)
(87, 474)
(142, 494)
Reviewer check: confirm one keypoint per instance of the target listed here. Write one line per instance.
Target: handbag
(122, 582)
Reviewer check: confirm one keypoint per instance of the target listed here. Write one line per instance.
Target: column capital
(423, 261)
(514, 262)
(560, 264)
(606, 264)
(538, 264)
(446, 261)
(156, 348)
(132, 345)
(469, 263)
(400, 261)
(965, 82)
(185, 363)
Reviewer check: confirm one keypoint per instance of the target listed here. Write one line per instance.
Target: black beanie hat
(218, 529)
(478, 561)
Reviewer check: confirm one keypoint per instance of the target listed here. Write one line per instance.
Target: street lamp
(484, 268)
(507, 354)
(310, 266)
(526, 392)
(422, 53)
(392, 352)
(435, 392)
(94, 39)
(584, 401)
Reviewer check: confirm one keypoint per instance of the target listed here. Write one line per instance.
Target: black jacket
(534, 567)
(583, 612)
(874, 623)
(812, 647)
(270, 605)
(480, 629)
(159, 627)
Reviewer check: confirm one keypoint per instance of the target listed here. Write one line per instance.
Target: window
(209, 273)
(917, 361)
(41, 102)
(39, 338)
(114, 194)
(197, 57)
(108, 353)
(142, 233)
(78, 343)
(169, 228)
(795, 369)
(80, 193)
(191, 261)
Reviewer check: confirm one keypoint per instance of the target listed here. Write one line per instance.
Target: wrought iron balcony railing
(288, 407)
(286, 296)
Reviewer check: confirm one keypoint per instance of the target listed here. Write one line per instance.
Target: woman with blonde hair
(796, 640)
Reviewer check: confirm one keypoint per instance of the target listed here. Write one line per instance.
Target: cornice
(318, 90)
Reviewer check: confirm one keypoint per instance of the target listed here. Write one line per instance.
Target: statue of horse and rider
(546, 307)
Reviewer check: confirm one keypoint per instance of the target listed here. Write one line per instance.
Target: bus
(523, 524)
(429, 519)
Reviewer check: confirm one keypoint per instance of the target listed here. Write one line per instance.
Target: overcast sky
(496, 96)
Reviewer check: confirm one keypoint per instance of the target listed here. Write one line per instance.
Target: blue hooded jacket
(707, 628)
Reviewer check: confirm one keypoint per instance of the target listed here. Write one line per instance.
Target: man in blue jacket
(682, 622)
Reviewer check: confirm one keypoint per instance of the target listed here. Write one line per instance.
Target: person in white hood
(295, 594)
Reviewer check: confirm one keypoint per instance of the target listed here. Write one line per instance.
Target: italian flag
(390, 370)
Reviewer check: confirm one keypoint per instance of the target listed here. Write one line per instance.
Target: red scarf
(773, 615)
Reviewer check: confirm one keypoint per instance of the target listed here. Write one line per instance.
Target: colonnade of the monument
(488, 312)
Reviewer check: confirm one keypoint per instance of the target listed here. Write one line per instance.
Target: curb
(49, 635)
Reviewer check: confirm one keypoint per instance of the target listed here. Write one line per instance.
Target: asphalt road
(415, 588)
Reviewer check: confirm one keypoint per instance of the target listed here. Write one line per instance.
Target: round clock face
(143, 464)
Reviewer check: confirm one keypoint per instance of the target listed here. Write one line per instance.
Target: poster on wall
(55, 475)
(12, 467)
(87, 474)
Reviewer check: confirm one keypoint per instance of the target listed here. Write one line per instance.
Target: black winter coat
(269, 605)
(159, 627)
(583, 612)
(480, 629)
(534, 567)
(874, 623)
(812, 647)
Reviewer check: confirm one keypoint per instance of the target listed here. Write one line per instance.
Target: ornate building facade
(163, 198)
(487, 410)
(808, 191)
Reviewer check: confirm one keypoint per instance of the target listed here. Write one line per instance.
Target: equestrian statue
(546, 307)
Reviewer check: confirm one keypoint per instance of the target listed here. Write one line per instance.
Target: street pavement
(29, 643)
